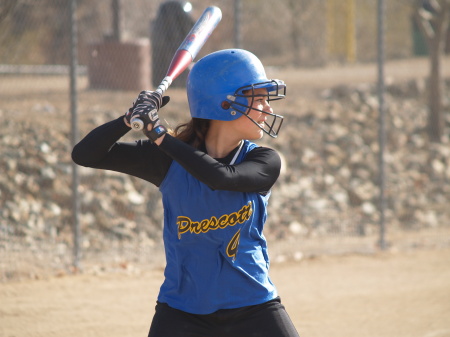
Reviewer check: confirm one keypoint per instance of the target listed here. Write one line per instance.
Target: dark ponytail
(192, 132)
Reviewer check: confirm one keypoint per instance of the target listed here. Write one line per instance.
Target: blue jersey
(216, 253)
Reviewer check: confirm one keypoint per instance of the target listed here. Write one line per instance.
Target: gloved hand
(146, 108)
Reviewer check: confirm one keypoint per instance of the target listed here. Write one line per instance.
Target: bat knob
(137, 124)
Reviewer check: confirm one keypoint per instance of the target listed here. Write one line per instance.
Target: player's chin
(257, 134)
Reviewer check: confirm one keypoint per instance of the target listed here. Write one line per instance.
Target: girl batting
(215, 184)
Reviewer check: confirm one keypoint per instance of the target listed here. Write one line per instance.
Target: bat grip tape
(164, 85)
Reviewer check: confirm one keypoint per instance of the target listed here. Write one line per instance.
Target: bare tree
(432, 17)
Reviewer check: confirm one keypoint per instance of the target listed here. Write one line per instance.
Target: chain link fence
(327, 199)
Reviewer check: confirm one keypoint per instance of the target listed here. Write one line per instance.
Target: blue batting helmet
(220, 84)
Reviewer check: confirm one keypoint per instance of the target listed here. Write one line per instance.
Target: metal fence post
(74, 132)
(237, 24)
(116, 7)
(382, 126)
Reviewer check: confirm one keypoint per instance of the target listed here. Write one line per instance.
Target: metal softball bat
(186, 52)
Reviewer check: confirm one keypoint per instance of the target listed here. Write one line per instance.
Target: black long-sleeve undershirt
(101, 149)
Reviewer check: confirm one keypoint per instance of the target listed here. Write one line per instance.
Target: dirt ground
(389, 294)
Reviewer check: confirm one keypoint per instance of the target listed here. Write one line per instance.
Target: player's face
(258, 105)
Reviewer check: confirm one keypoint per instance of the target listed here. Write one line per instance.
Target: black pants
(269, 319)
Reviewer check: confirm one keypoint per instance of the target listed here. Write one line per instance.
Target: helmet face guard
(221, 86)
(244, 97)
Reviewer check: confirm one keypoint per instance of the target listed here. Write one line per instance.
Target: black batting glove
(146, 107)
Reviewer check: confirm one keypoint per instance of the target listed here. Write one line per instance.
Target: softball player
(215, 185)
